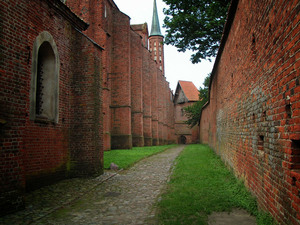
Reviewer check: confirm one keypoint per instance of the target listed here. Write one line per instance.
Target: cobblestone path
(126, 198)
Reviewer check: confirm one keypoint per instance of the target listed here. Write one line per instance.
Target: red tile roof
(190, 90)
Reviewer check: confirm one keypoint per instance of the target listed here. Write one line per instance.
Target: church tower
(156, 39)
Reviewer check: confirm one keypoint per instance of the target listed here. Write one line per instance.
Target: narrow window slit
(261, 140)
(288, 110)
(295, 147)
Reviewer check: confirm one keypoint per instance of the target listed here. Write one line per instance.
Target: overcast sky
(177, 64)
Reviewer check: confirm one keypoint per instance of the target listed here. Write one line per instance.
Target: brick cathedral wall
(121, 83)
(160, 107)
(137, 90)
(170, 107)
(93, 12)
(42, 152)
(13, 82)
(86, 136)
(154, 112)
(103, 30)
(99, 15)
(147, 98)
(165, 108)
(172, 118)
(97, 96)
(253, 118)
(100, 18)
(48, 147)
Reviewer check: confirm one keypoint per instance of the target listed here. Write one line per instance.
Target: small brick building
(186, 94)
(76, 79)
(252, 119)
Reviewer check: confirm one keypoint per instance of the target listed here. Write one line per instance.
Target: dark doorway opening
(182, 140)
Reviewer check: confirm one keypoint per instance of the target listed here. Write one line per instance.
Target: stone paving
(126, 197)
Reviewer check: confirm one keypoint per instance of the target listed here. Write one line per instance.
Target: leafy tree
(195, 25)
(193, 112)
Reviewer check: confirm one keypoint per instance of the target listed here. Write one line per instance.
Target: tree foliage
(193, 112)
(195, 25)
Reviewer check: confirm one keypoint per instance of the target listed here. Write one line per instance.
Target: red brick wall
(204, 129)
(86, 134)
(165, 110)
(154, 97)
(147, 98)
(13, 72)
(121, 83)
(99, 16)
(137, 90)
(46, 145)
(253, 118)
(96, 96)
(160, 107)
(105, 27)
(181, 128)
(120, 66)
(170, 116)
(35, 153)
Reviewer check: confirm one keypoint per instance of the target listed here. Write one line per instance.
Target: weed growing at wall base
(127, 157)
(200, 185)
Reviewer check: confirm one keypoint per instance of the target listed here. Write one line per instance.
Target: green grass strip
(200, 185)
(127, 157)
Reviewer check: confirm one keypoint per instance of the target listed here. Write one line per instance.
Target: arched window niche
(44, 90)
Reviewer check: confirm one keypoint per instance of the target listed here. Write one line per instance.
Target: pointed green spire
(155, 29)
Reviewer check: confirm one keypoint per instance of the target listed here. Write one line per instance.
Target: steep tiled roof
(190, 90)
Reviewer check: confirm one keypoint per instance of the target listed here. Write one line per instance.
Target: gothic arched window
(44, 80)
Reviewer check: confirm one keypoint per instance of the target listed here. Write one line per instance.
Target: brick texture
(184, 134)
(130, 80)
(38, 153)
(13, 101)
(137, 90)
(154, 112)
(112, 93)
(121, 83)
(147, 98)
(252, 119)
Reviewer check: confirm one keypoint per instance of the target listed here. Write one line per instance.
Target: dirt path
(126, 198)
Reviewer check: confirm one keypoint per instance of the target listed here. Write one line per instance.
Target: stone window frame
(41, 39)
